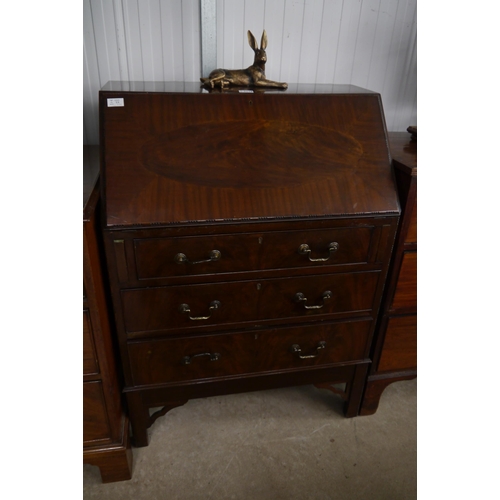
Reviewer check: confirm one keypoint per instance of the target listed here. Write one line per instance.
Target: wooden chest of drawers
(248, 237)
(395, 345)
(106, 442)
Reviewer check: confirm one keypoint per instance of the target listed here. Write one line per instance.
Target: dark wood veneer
(96, 426)
(157, 309)
(405, 294)
(400, 344)
(161, 361)
(155, 257)
(145, 187)
(90, 362)
(411, 235)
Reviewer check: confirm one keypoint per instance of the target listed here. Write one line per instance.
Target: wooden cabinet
(105, 427)
(394, 350)
(248, 238)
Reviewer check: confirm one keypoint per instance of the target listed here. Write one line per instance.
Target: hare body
(254, 75)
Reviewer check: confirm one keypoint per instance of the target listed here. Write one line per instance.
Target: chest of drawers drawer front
(95, 419)
(405, 296)
(213, 356)
(219, 305)
(411, 235)
(192, 358)
(199, 255)
(322, 344)
(400, 344)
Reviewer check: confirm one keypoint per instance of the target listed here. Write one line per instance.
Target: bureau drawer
(211, 356)
(218, 305)
(198, 255)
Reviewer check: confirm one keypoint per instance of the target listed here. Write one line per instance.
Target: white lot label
(116, 101)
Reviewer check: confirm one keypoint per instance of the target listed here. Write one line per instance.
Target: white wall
(369, 43)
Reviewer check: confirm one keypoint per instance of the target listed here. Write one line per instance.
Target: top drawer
(198, 255)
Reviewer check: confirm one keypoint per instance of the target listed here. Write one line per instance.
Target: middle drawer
(221, 305)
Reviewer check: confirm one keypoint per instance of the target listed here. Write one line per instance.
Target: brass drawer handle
(215, 356)
(305, 250)
(295, 348)
(299, 297)
(181, 258)
(184, 308)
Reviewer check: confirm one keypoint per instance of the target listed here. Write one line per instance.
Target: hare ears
(253, 42)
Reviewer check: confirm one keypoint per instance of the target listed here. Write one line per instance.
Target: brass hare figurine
(254, 75)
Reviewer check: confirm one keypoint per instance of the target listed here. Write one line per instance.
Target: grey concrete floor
(285, 444)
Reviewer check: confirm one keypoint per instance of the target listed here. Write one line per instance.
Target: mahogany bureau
(106, 442)
(248, 236)
(395, 345)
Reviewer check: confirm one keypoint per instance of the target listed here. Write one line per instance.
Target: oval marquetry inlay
(231, 154)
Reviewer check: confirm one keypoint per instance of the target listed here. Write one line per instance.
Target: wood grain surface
(173, 158)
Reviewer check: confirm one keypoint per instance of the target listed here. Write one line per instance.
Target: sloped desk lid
(174, 153)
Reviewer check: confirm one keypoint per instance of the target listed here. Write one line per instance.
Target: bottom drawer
(211, 356)
(189, 358)
(342, 342)
(400, 344)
